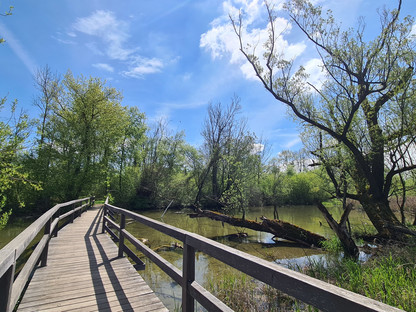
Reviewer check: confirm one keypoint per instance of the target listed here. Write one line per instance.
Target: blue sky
(169, 58)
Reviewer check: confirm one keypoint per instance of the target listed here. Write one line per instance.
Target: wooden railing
(11, 287)
(319, 294)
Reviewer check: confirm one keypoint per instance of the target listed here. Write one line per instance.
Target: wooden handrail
(11, 288)
(319, 294)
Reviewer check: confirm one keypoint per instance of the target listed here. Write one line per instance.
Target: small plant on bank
(389, 277)
(332, 245)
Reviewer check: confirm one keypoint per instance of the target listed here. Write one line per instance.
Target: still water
(208, 269)
(256, 243)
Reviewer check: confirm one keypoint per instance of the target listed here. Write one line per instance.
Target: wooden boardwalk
(83, 273)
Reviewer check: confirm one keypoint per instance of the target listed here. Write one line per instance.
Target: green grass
(389, 277)
(243, 293)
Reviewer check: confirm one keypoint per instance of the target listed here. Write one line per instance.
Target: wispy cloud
(113, 32)
(142, 66)
(113, 41)
(18, 49)
(293, 142)
(103, 66)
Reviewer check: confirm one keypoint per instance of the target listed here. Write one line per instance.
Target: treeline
(87, 143)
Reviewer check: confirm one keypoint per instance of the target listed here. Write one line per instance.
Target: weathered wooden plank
(85, 300)
(207, 300)
(165, 265)
(21, 280)
(79, 284)
(115, 304)
(100, 288)
(85, 274)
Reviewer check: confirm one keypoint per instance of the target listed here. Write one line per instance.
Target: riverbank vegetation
(388, 276)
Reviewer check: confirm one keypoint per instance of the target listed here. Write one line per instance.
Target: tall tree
(85, 127)
(131, 152)
(230, 158)
(13, 136)
(364, 110)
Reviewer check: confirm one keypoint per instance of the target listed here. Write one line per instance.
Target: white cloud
(413, 31)
(313, 68)
(221, 39)
(103, 66)
(142, 66)
(257, 148)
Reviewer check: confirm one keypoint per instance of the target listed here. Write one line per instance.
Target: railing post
(73, 213)
(121, 235)
(188, 303)
(104, 214)
(44, 256)
(6, 287)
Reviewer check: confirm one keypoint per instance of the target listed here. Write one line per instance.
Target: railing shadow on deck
(319, 294)
(101, 295)
(11, 286)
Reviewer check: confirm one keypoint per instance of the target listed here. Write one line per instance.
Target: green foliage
(13, 134)
(333, 245)
(291, 188)
(79, 138)
(389, 277)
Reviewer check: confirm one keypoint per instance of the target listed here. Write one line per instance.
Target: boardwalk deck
(84, 274)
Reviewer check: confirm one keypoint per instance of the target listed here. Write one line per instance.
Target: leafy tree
(230, 164)
(273, 186)
(79, 134)
(13, 135)
(163, 169)
(363, 113)
(130, 155)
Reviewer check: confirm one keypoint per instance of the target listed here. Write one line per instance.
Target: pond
(207, 268)
(256, 243)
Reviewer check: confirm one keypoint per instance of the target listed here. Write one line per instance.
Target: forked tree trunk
(340, 229)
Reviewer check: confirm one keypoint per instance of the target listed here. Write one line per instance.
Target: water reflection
(259, 244)
(207, 268)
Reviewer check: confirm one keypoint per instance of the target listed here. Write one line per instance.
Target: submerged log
(278, 228)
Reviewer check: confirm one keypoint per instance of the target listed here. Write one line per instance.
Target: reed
(389, 277)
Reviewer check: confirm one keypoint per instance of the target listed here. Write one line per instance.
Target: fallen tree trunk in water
(278, 228)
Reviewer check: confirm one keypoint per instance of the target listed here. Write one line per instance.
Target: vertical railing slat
(121, 235)
(188, 302)
(6, 287)
(44, 256)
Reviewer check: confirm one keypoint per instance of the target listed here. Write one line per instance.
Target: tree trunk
(340, 229)
(382, 218)
(414, 221)
(275, 213)
(278, 228)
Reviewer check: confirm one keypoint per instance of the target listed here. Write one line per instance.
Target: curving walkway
(84, 274)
